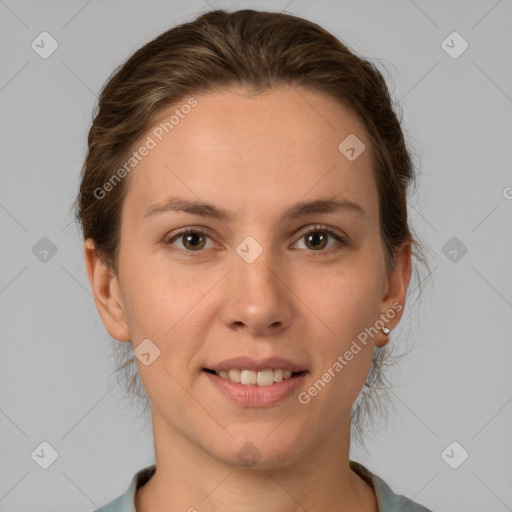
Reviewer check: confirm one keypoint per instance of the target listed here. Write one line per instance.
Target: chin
(259, 452)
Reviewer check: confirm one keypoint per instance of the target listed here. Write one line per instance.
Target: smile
(266, 377)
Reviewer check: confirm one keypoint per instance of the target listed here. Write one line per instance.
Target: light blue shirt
(387, 500)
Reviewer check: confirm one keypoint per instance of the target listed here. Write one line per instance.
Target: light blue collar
(387, 500)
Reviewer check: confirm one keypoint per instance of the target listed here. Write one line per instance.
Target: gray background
(455, 384)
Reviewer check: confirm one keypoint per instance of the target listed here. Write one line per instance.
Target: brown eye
(317, 239)
(192, 240)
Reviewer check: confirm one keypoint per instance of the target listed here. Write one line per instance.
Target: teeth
(234, 375)
(265, 378)
(248, 377)
(253, 378)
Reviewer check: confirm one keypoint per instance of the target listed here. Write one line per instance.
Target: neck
(189, 479)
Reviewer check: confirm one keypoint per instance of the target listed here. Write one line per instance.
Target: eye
(316, 239)
(193, 240)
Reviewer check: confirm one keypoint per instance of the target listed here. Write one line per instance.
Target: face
(283, 270)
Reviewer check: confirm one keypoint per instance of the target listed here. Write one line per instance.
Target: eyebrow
(321, 205)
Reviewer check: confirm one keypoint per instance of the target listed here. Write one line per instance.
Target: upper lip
(248, 363)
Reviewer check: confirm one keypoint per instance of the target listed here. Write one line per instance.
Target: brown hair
(258, 50)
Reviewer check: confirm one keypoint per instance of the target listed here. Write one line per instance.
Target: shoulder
(125, 502)
(387, 500)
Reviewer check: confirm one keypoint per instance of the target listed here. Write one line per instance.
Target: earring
(385, 330)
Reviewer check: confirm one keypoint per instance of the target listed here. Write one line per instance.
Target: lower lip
(256, 396)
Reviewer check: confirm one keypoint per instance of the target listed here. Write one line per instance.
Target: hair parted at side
(258, 50)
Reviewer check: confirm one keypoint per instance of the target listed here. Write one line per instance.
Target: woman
(243, 204)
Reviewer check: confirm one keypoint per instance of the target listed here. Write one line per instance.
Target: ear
(395, 290)
(106, 292)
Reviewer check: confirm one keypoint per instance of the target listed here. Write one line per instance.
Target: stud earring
(385, 330)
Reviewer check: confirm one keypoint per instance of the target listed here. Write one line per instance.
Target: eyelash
(317, 228)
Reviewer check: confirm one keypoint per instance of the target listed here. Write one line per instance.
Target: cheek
(152, 295)
(349, 299)
(172, 307)
(348, 305)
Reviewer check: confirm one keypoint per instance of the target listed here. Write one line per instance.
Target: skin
(265, 153)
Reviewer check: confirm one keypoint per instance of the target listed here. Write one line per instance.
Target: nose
(257, 297)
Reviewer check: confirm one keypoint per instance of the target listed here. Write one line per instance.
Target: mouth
(256, 382)
(256, 388)
(261, 378)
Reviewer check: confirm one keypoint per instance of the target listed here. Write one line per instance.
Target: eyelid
(321, 227)
(195, 229)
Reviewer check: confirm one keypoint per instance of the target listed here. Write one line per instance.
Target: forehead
(251, 152)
